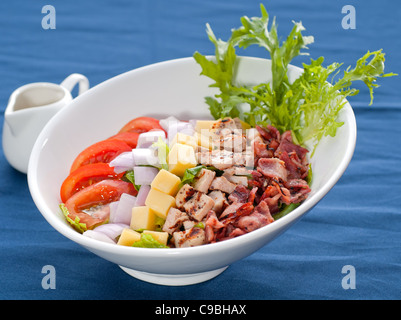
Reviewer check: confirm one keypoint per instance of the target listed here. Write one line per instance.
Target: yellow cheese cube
(159, 202)
(184, 139)
(203, 140)
(166, 182)
(203, 132)
(180, 158)
(128, 237)
(159, 236)
(143, 218)
(203, 126)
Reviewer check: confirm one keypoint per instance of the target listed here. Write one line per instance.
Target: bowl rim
(92, 244)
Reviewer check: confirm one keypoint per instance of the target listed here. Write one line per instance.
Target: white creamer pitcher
(29, 108)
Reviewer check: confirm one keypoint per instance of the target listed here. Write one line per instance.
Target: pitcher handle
(71, 81)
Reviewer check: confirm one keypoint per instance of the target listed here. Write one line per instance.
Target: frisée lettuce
(309, 106)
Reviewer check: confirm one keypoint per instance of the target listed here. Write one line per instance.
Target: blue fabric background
(358, 223)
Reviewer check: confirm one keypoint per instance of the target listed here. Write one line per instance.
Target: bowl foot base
(174, 279)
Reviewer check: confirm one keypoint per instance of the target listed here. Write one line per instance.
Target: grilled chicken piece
(203, 181)
(188, 224)
(221, 159)
(184, 195)
(226, 124)
(230, 141)
(222, 184)
(198, 206)
(220, 201)
(238, 171)
(224, 159)
(189, 238)
(174, 220)
(227, 134)
(242, 180)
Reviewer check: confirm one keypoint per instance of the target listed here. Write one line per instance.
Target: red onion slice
(123, 162)
(143, 156)
(187, 129)
(142, 195)
(179, 126)
(193, 122)
(113, 208)
(146, 139)
(112, 230)
(166, 123)
(145, 175)
(98, 236)
(123, 212)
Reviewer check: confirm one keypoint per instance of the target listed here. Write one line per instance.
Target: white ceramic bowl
(168, 88)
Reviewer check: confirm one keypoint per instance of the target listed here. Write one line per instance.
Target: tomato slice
(85, 176)
(103, 151)
(90, 205)
(130, 138)
(141, 124)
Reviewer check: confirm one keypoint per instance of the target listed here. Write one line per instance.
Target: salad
(184, 183)
(162, 183)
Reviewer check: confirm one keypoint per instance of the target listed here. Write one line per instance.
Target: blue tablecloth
(357, 224)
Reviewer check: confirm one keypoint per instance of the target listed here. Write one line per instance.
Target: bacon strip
(272, 168)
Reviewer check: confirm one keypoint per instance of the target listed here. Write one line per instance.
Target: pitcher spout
(11, 118)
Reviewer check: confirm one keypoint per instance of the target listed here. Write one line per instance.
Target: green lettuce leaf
(190, 175)
(162, 152)
(200, 225)
(147, 241)
(130, 176)
(80, 227)
(159, 223)
(286, 210)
